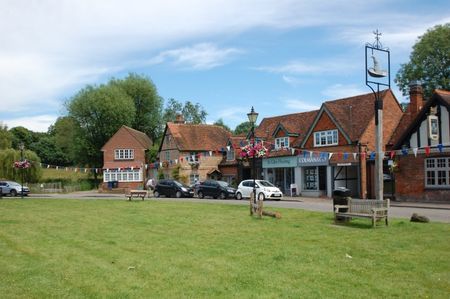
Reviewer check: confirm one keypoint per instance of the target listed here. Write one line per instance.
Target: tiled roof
(408, 123)
(141, 137)
(297, 123)
(198, 137)
(353, 114)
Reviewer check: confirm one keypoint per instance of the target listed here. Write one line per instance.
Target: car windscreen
(222, 183)
(180, 184)
(266, 184)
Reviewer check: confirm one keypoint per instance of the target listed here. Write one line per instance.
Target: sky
(280, 56)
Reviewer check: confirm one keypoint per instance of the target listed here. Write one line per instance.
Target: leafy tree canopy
(192, 113)
(220, 123)
(429, 62)
(5, 137)
(7, 170)
(243, 128)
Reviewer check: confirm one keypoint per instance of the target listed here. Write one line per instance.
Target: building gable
(127, 137)
(324, 121)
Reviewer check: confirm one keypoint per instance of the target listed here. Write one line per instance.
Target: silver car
(13, 188)
(264, 190)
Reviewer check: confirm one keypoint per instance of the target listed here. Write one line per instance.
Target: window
(125, 175)
(193, 178)
(193, 157)
(437, 172)
(282, 142)
(124, 154)
(311, 178)
(230, 154)
(167, 155)
(324, 138)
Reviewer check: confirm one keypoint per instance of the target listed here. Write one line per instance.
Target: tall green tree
(147, 102)
(5, 137)
(98, 113)
(243, 128)
(22, 135)
(63, 132)
(192, 113)
(429, 62)
(220, 123)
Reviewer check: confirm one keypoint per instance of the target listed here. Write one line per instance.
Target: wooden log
(272, 214)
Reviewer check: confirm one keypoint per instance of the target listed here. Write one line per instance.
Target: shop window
(437, 172)
(311, 178)
(325, 138)
(126, 175)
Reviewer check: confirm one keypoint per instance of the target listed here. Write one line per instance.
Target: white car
(264, 190)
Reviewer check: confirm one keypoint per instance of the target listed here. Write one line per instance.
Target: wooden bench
(136, 193)
(363, 208)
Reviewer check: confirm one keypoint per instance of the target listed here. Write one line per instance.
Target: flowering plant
(22, 164)
(249, 151)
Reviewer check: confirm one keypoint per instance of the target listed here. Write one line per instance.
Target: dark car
(216, 189)
(172, 188)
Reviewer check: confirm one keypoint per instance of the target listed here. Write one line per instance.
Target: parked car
(13, 188)
(172, 188)
(264, 190)
(216, 189)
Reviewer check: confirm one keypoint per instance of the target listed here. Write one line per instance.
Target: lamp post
(376, 76)
(252, 116)
(21, 147)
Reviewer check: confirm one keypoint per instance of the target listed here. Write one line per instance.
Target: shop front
(280, 171)
(314, 174)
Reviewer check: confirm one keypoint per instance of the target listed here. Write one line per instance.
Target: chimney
(415, 97)
(179, 119)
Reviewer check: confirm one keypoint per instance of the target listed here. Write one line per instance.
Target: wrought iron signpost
(376, 76)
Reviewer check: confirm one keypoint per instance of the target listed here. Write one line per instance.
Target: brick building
(194, 150)
(124, 159)
(422, 146)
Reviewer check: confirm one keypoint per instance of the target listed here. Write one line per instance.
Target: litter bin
(340, 197)
(110, 185)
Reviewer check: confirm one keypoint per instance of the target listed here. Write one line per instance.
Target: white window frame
(124, 154)
(193, 158)
(193, 178)
(437, 172)
(230, 154)
(326, 138)
(281, 142)
(124, 175)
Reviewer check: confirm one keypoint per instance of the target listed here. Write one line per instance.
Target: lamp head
(252, 116)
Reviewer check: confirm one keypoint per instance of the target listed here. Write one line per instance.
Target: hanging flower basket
(250, 151)
(22, 164)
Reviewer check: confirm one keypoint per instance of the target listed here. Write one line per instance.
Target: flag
(415, 151)
(392, 154)
(405, 151)
(372, 156)
(427, 150)
(345, 156)
(440, 147)
(354, 156)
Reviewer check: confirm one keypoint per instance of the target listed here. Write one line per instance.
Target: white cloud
(299, 105)
(38, 123)
(202, 56)
(338, 91)
(310, 68)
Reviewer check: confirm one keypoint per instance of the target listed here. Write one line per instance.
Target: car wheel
(200, 194)
(156, 193)
(261, 196)
(13, 192)
(222, 195)
(239, 196)
(178, 194)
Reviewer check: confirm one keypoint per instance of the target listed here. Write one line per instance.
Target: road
(435, 212)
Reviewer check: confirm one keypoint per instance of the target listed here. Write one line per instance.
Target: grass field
(161, 249)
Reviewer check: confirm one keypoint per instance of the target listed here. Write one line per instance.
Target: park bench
(136, 193)
(363, 208)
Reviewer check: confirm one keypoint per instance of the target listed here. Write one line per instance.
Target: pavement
(435, 211)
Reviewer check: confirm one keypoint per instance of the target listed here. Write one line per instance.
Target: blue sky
(279, 56)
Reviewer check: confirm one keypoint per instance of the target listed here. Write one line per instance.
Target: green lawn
(157, 249)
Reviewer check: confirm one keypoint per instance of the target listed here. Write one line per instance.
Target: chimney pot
(415, 97)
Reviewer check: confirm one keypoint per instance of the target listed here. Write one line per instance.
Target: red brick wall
(410, 181)
(325, 123)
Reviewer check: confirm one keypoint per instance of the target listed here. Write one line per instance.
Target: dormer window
(282, 142)
(326, 138)
(124, 154)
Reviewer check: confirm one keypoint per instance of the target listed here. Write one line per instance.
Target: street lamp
(21, 147)
(376, 76)
(252, 116)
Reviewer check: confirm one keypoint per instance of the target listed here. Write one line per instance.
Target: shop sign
(280, 162)
(313, 161)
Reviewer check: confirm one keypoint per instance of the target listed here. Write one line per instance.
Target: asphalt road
(435, 212)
